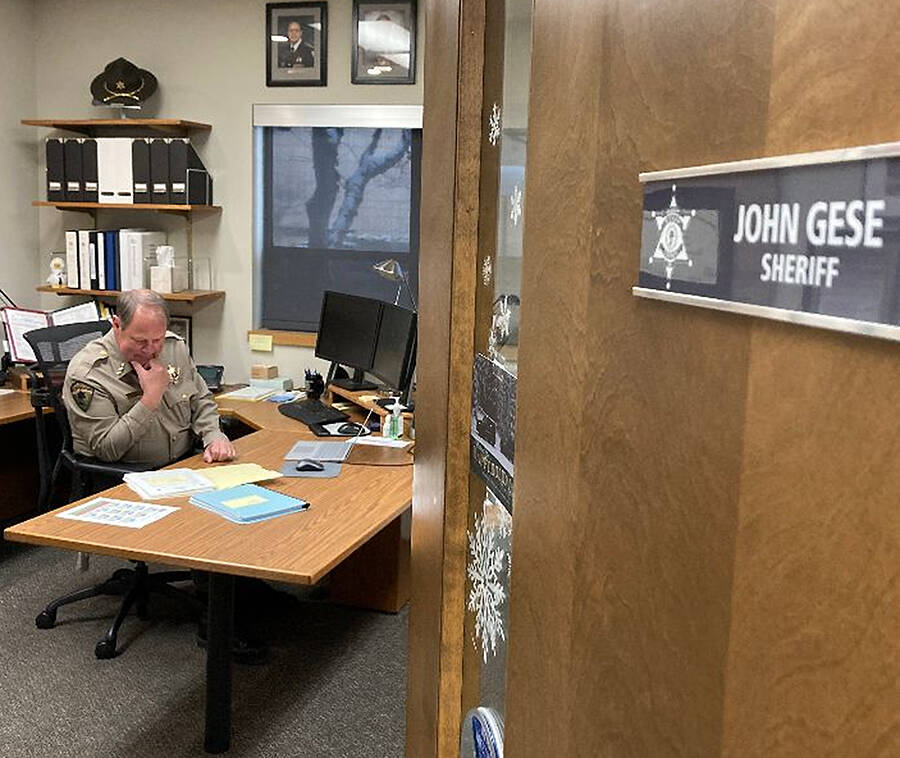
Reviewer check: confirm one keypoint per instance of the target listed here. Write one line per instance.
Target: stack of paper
(248, 503)
(175, 482)
(248, 393)
(178, 482)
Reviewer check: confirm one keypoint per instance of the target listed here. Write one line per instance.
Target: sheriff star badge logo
(672, 224)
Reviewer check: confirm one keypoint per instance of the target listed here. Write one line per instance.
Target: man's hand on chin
(219, 450)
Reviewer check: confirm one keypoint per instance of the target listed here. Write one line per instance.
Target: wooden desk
(15, 406)
(345, 514)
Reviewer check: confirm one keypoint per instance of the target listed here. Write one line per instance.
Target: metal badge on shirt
(174, 373)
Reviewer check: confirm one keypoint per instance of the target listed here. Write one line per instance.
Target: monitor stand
(355, 383)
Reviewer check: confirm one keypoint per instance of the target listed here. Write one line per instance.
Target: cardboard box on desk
(264, 371)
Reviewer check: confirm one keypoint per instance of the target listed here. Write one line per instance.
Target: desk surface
(15, 406)
(301, 548)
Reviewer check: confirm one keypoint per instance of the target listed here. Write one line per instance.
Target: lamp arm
(409, 290)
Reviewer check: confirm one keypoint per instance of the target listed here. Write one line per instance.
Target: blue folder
(248, 503)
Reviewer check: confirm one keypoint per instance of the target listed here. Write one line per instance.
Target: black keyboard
(312, 412)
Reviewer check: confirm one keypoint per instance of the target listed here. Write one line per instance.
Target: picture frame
(183, 326)
(384, 42)
(296, 44)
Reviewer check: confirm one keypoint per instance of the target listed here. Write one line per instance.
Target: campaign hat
(122, 83)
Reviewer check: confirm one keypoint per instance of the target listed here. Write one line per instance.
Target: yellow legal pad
(234, 474)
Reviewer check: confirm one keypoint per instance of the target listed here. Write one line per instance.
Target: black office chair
(53, 348)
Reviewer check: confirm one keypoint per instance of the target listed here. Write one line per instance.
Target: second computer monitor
(348, 329)
(395, 347)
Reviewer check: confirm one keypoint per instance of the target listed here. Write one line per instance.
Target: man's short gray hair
(129, 301)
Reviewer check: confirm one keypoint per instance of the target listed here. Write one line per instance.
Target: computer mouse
(349, 428)
(308, 464)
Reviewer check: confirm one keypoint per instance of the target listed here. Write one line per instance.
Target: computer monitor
(395, 348)
(348, 330)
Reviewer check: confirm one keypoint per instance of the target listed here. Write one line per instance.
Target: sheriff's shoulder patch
(82, 394)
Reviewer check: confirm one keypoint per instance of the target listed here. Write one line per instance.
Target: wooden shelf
(134, 127)
(193, 297)
(184, 210)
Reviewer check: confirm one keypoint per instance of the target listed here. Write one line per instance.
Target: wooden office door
(706, 531)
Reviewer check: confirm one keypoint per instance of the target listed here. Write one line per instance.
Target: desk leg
(219, 626)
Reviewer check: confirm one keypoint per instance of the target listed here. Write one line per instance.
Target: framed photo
(296, 49)
(384, 42)
(183, 327)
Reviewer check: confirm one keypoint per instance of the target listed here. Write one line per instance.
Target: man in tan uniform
(134, 395)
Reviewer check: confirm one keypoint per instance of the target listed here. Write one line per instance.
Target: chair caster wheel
(45, 620)
(105, 650)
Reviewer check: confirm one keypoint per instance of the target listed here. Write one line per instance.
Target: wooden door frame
(451, 166)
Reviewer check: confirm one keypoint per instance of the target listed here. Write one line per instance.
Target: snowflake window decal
(494, 123)
(489, 565)
(515, 210)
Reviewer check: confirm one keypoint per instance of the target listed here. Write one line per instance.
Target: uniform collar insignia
(174, 373)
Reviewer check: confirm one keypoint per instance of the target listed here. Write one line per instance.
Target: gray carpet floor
(334, 685)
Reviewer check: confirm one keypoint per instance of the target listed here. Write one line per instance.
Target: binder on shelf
(93, 282)
(111, 249)
(140, 168)
(72, 170)
(137, 251)
(101, 260)
(184, 165)
(56, 191)
(89, 170)
(114, 170)
(72, 258)
(84, 259)
(160, 187)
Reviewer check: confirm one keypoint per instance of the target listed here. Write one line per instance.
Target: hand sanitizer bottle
(393, 423)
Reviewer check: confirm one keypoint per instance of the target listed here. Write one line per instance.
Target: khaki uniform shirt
(102, 396)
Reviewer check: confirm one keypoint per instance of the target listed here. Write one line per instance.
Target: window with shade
(332, 202)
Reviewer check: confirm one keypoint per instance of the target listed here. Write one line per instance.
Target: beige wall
(209, 59)
(19, 256)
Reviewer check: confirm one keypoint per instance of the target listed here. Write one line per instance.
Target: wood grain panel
(627, 488)
(450, 175)
(814, 664)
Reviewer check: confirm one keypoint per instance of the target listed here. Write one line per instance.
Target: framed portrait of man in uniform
(384, 42)
(296, 41)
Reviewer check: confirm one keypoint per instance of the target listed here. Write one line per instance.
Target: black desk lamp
(392, 270)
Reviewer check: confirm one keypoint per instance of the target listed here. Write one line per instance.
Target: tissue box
(263, 371)
(280, 383)
(168, 279)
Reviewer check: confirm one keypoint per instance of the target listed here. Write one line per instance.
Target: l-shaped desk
(354, 529)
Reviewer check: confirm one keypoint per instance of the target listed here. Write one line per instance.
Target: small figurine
(57, 276)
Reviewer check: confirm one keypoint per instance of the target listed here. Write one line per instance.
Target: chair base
(134, 586)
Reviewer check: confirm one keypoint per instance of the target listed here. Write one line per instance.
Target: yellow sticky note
(243, 502)
(261, 342)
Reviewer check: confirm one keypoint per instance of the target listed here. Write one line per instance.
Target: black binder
(182, 158)
(140, 167)
(89, 189)
(160, 186)
(56, 189)
(72, 167)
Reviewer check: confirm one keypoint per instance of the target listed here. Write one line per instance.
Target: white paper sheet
(18, 321)
(104, 510)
